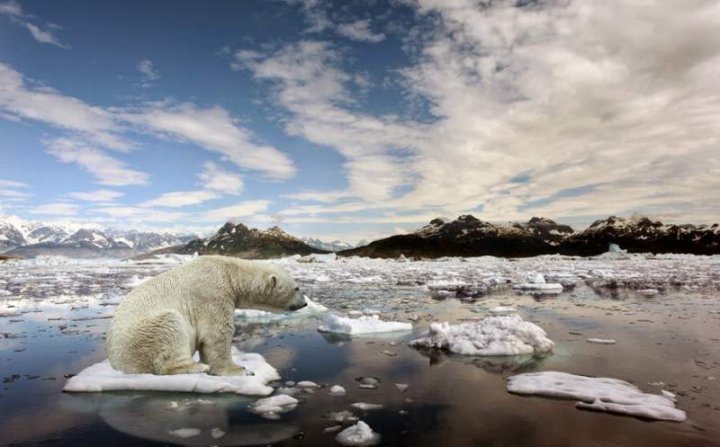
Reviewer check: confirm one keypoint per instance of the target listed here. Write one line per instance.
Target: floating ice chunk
(102, 377)
(601, 341)
(136, 280)
(185, 432)
(341, 416)
(365, 406)
(597, 393)
(536, 282)
(648, 292)
(536, 278)
(402, 387)
(337, 390)
(497, 335)
(272, 406)
(540, 287)
(217, 433)
(363, 325)
(359, 434)
(307, 384)
(312, 308)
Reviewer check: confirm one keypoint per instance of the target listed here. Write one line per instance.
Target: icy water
(53, 316)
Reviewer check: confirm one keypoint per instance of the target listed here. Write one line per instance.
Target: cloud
(44, 36)
(12, 184)
(214, 129)
(313, 88)
(566, 94)
(107, 170)
(179, 199)
(319, 196)
(13, 10)
(100, 195)
(241, 210)
(318, 20)
(64, 112)
(360, 31)
(218, 179)
(148, 71)
(56, 209)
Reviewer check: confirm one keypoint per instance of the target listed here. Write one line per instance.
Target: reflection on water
(204, 420)
(48, 332)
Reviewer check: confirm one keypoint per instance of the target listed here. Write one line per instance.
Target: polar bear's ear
(273, 281)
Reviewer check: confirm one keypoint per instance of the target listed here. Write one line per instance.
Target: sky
(357, 120)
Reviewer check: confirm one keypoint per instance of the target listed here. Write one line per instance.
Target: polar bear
(160, 324)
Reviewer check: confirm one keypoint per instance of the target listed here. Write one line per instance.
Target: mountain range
(464, 236)
(469, 236)
(28, 239)
(249, 243)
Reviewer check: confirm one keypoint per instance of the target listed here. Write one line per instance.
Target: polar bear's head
(276, 291)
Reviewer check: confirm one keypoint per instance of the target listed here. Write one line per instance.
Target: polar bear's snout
(298, 302)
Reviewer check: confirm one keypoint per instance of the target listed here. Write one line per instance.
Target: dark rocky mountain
(469, 236)
(640, 234)
(249, 243)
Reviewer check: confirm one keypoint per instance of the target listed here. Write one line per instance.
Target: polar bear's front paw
(231, 371)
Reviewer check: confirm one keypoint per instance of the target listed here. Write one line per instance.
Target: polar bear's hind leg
(163, 345)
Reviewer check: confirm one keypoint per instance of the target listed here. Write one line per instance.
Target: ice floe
(359, 434)
(102, 377)
(255, 315)
(337, 390)
(597, 393)
(272, 407)
(363, 325)
(601, 341)
(491, 336)
(536, 282)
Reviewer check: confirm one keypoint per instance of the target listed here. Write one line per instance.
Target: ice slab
(491, 336)
(598, 393)
(363, 325)
(359, 434)
(601, 341)
(312, 308)
(102, 377)
(271, 407)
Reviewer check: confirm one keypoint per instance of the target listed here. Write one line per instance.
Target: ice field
(478, 327)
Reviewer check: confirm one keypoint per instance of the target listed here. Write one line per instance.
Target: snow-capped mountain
(28, 239)
(336, 245)
(469, 236)
(251, 243)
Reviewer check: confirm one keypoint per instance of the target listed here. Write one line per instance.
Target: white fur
(160, 324)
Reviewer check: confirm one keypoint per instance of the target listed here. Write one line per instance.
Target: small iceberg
(492, 336)
(537, 283)
(102, 377)
(598, 394)
(359, 434)
(272, 407)
(363, 325)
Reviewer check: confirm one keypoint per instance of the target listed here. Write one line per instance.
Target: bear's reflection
(184, 418)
